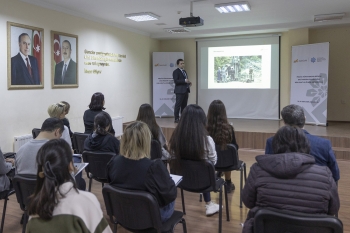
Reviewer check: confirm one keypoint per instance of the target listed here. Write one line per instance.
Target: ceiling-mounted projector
(191, 22)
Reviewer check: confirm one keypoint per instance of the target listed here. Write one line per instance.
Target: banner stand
(309, 81)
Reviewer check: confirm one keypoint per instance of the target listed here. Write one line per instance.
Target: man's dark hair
(20, 36)
(178, 61)
(290, 139)
(51, 124)
(70, 46)
(293, 115)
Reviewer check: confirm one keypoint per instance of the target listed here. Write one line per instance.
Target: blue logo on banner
(171, 64)
(313, 60)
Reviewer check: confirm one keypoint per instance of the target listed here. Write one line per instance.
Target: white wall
(126, 85)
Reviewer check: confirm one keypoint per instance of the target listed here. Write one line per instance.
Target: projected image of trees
(245, 69)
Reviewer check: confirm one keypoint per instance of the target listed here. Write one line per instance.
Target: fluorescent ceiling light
(328, 17)
(144, 16)
(232, 7)
(177, 30)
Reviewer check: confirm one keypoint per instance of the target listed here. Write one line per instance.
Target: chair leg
(220, 209)
(240, 189)
(184, 225)
(200, 197)
(245, 173)
(25, 219)
(90, 182)
(226, 203)
(3, 214)
(183, 201)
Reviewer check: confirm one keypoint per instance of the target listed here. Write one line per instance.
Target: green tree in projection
(221, 61)
(251, 62)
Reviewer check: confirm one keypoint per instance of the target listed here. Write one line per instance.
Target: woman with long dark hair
(190, 141)
(101, 140)
(289, 179)
(221, 132)
(56, 198)
(134, 170)
(95, 107)
(146, 115)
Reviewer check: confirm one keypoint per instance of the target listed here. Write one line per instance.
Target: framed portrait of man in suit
(64, 68)
(25, 56)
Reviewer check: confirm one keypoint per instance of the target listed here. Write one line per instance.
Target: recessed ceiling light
(232, 7)
(177, 30)
(328, 17)
(143, 16)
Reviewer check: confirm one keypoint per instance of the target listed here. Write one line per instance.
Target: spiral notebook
(177, 179)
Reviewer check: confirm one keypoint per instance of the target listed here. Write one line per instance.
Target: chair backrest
(197, 175)
(78, 141)
(156, 150)
(24, 186)
(35, 132)
(133, 209)
(97, 163)
(277, 221)
(227, 157)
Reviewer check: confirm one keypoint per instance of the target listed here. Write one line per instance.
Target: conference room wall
(126, 85)
(339, 69)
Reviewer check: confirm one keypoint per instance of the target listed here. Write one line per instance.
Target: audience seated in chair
(146, 115)
(5, 167)
(101, 140)
(191, 141)
(289, 179)
(52, 128)
(65, 119)
(57, 111)
(56, 199)
(134, 170)
(221, 132)
(320, 148)
(95, 107)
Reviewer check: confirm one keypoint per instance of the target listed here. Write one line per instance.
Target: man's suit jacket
(70, 76)
(181, 87)
(320, 148)
(20, 74)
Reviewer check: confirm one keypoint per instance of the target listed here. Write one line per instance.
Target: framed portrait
(25, 56)
(64, 67)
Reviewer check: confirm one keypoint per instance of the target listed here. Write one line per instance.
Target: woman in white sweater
(56, 199)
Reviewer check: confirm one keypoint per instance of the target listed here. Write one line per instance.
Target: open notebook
(177, 179)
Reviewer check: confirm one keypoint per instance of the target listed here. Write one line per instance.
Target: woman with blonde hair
(58, 111)
(56, 199)
(134, 170)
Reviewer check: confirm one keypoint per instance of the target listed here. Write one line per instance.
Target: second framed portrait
(64, 50)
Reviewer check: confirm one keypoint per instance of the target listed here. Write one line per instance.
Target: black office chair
(78, 142)
(228, 160)
(97, 168)
(35, 132)
(5, 195)
(24, 186)
(137, 211)
(156, 150)
(199, 177)
(279, 221)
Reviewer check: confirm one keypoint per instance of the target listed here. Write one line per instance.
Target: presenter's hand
(190, 83)
(186, 81)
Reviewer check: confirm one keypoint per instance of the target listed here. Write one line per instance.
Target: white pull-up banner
(164, 63)
(309, 81)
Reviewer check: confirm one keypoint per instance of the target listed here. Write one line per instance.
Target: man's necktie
(29, 68)
(184, 73)
(64, 72)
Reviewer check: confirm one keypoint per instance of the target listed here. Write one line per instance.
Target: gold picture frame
(64, 60)
(25, 56)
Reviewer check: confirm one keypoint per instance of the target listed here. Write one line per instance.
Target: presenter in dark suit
(66, 70)
(182, 88)
(24, 68)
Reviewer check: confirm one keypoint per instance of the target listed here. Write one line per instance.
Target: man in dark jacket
(289, 179)
(321, 148)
